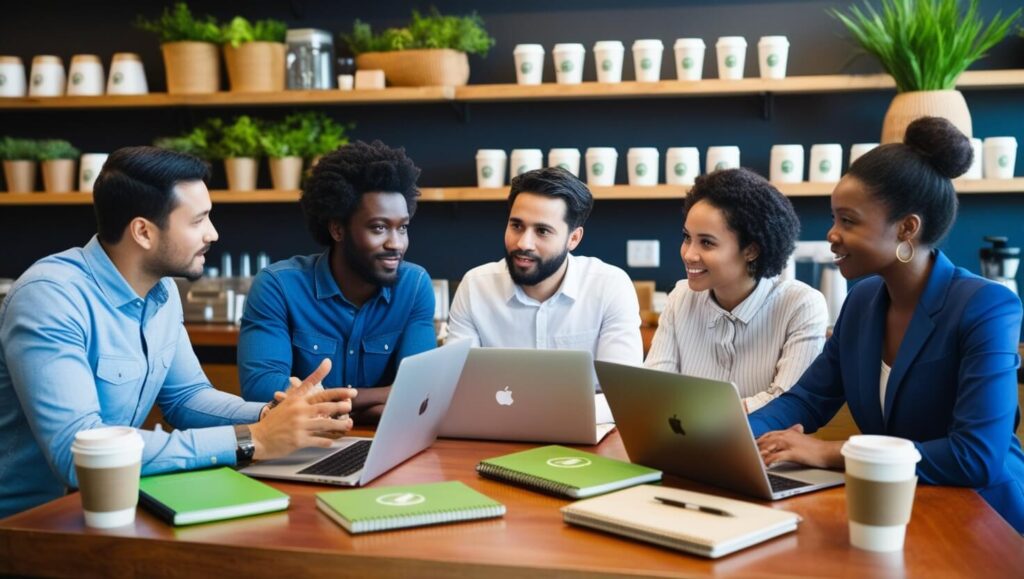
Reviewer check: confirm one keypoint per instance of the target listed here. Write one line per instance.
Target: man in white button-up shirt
(542, 296)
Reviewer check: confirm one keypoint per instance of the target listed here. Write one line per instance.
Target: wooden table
(953, 532)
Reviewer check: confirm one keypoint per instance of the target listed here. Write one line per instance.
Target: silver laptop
(418, 402)
(697, 429)
(528, 395)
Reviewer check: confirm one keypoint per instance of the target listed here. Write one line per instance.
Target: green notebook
(396, 507)
(186, 498)
(566, 471)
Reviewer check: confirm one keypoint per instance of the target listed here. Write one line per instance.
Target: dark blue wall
(450, 238)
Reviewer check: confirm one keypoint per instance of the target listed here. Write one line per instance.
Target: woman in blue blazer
(946, 338)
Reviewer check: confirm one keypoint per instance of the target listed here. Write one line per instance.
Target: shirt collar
(747, 309)
(327, 286)
(111, 282)
(570, 288)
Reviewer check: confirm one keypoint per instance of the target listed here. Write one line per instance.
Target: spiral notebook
(186, 498)
(397, 507)
(687, 521)
(566, 471)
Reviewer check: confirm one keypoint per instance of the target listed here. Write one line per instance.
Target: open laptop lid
(525, 395)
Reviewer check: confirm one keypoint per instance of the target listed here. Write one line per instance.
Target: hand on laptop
(304, 417)
(792, 445)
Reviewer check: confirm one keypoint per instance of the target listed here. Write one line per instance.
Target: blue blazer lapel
(871, 338)
(921, 326)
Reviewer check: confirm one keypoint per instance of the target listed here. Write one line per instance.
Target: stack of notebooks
(693, 522)
(187, 498)
(565, 471)
(396, 507)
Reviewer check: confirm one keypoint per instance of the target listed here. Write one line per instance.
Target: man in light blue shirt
(358, 303)
(94, 336)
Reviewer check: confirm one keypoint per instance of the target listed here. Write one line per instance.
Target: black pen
(693, 507)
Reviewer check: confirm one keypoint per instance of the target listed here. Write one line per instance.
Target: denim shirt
(79, 350)
(295, 316)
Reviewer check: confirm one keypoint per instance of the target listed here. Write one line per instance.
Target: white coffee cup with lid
(787, 164)
(127, 75)
(85, 75)
(569, 59)
(108, 463)
(1000, 157)
(643, 163)
(490, 168)
(880, 483)
(732, 54)
(568, 159)
(529, 60)
(89, 167)
(689, 53)
(826, 163)
(720, 158)
(647, 59)
(12, 77)
(601, 163)
(608, 55)
(772, 56)
(47, 78)
(524, 160)
(857, 150)
(682, 165)
(977, 160)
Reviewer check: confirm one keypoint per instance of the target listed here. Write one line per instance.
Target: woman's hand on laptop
(302, 418)
(792, 445)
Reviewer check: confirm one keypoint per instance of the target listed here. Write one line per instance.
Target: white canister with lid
(647, 59)
(608, 55)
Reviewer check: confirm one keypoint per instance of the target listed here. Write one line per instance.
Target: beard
(365, 265)
(166, 264)
(543, 269)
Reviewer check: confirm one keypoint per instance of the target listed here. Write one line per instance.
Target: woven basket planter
(909, 106)
(256, 66)
(427, 67)
(20, 176)
(192, 67)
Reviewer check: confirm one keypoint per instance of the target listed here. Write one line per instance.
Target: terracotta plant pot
(908, 106)
(241, 172)
(286, 173)
(59, 175)
(192, 67)
(256, 66)
(425, 67)
(20, 176)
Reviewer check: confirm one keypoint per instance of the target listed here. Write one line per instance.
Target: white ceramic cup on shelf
(975, 171)
(568, 159)
(346, 81)
(529, 59)
(524, 160)
(490, 168)
(85, 75)
(127, 75)
(857, 150)
(826, 163)
(89, 168)
(689, 53)
(682, 165)
(601, 163)
(880, 483)
(772, 56)
(12, 77)
(47, 78)
(1000, 157)
(647, 54)
(643, 164)
(608, 55)
(787, 164)
(569, 59)
(720, 158)
(732, 55)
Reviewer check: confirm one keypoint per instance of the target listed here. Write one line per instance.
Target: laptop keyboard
(342, 463)
(781, 483)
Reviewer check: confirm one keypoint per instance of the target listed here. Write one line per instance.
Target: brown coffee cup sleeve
(103, 490)
(881, 504)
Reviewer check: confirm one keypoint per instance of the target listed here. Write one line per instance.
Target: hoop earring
(902, 259)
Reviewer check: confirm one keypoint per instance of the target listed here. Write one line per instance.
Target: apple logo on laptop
(423, 406)
(504, 397)
(676, 425)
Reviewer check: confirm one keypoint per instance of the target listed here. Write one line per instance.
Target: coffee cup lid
(731, 41)
(602, 151)
(646, 43)
(877, 449)
(609, 45)
(106, 439)
(724, 148)
(536, 152)
(569, 47)
(788, 147)
(564, 151)
(46, 59)
(490, 154)
(773, 40)
(641, 151)
(528, 49)
(827, 147)
(1001, 142)
(689, 43)
(679, 150)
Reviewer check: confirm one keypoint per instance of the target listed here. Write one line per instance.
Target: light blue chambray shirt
(78, 350)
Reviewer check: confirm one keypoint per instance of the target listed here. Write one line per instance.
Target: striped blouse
(763, 345)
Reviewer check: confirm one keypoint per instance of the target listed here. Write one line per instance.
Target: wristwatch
(245, 447)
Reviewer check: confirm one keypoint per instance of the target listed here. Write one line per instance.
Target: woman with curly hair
(732, 318)
(922, 350)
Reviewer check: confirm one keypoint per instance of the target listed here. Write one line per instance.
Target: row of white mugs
(994, 159)
(85, 76)
(731, 51)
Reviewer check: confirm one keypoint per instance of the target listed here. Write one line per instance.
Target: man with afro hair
(357, 303)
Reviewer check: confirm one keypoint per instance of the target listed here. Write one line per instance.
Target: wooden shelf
(452, 194)
(978, 79)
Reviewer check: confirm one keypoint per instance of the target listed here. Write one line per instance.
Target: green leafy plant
(12, 149)
(925, 44)
(177, 24)
(328, 136)
(306, 135)
(241, 138)
(54, 149)
(240, 30)
(463, 33)
(196, 142)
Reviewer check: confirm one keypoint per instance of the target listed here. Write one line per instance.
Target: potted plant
(328, 136)
(190, 48)
(196, 142)
(58, 159)
(238, 144)
(925, 45)
(299, 136)
(19, 157)
(254, 54)
(431, 51)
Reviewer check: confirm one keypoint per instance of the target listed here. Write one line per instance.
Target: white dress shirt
(763, 345)
(594, 309)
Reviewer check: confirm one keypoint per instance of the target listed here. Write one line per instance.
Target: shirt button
(213, 460)
(385, 346)
(351, 352)
(316, 347)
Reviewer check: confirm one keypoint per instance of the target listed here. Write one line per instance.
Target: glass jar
(310, 60)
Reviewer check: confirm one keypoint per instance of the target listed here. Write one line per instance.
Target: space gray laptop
(418, 402)
(528, 395)
(697, 429)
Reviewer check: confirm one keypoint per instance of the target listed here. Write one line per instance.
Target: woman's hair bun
(942, 144)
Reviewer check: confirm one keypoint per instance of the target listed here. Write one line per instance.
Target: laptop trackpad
(805, 474)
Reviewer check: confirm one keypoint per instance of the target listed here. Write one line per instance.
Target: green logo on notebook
(526, 67)
(646, 64)
(1004, 161)
(400, 499)
(825, 166)
(566, 66)
(641, 169)
(680, 169)
(730, 61)
(687, 63)
(597, 169)
(487, 171)
(606, 64)
(773, 59)
(787, 166)
(569, 462)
